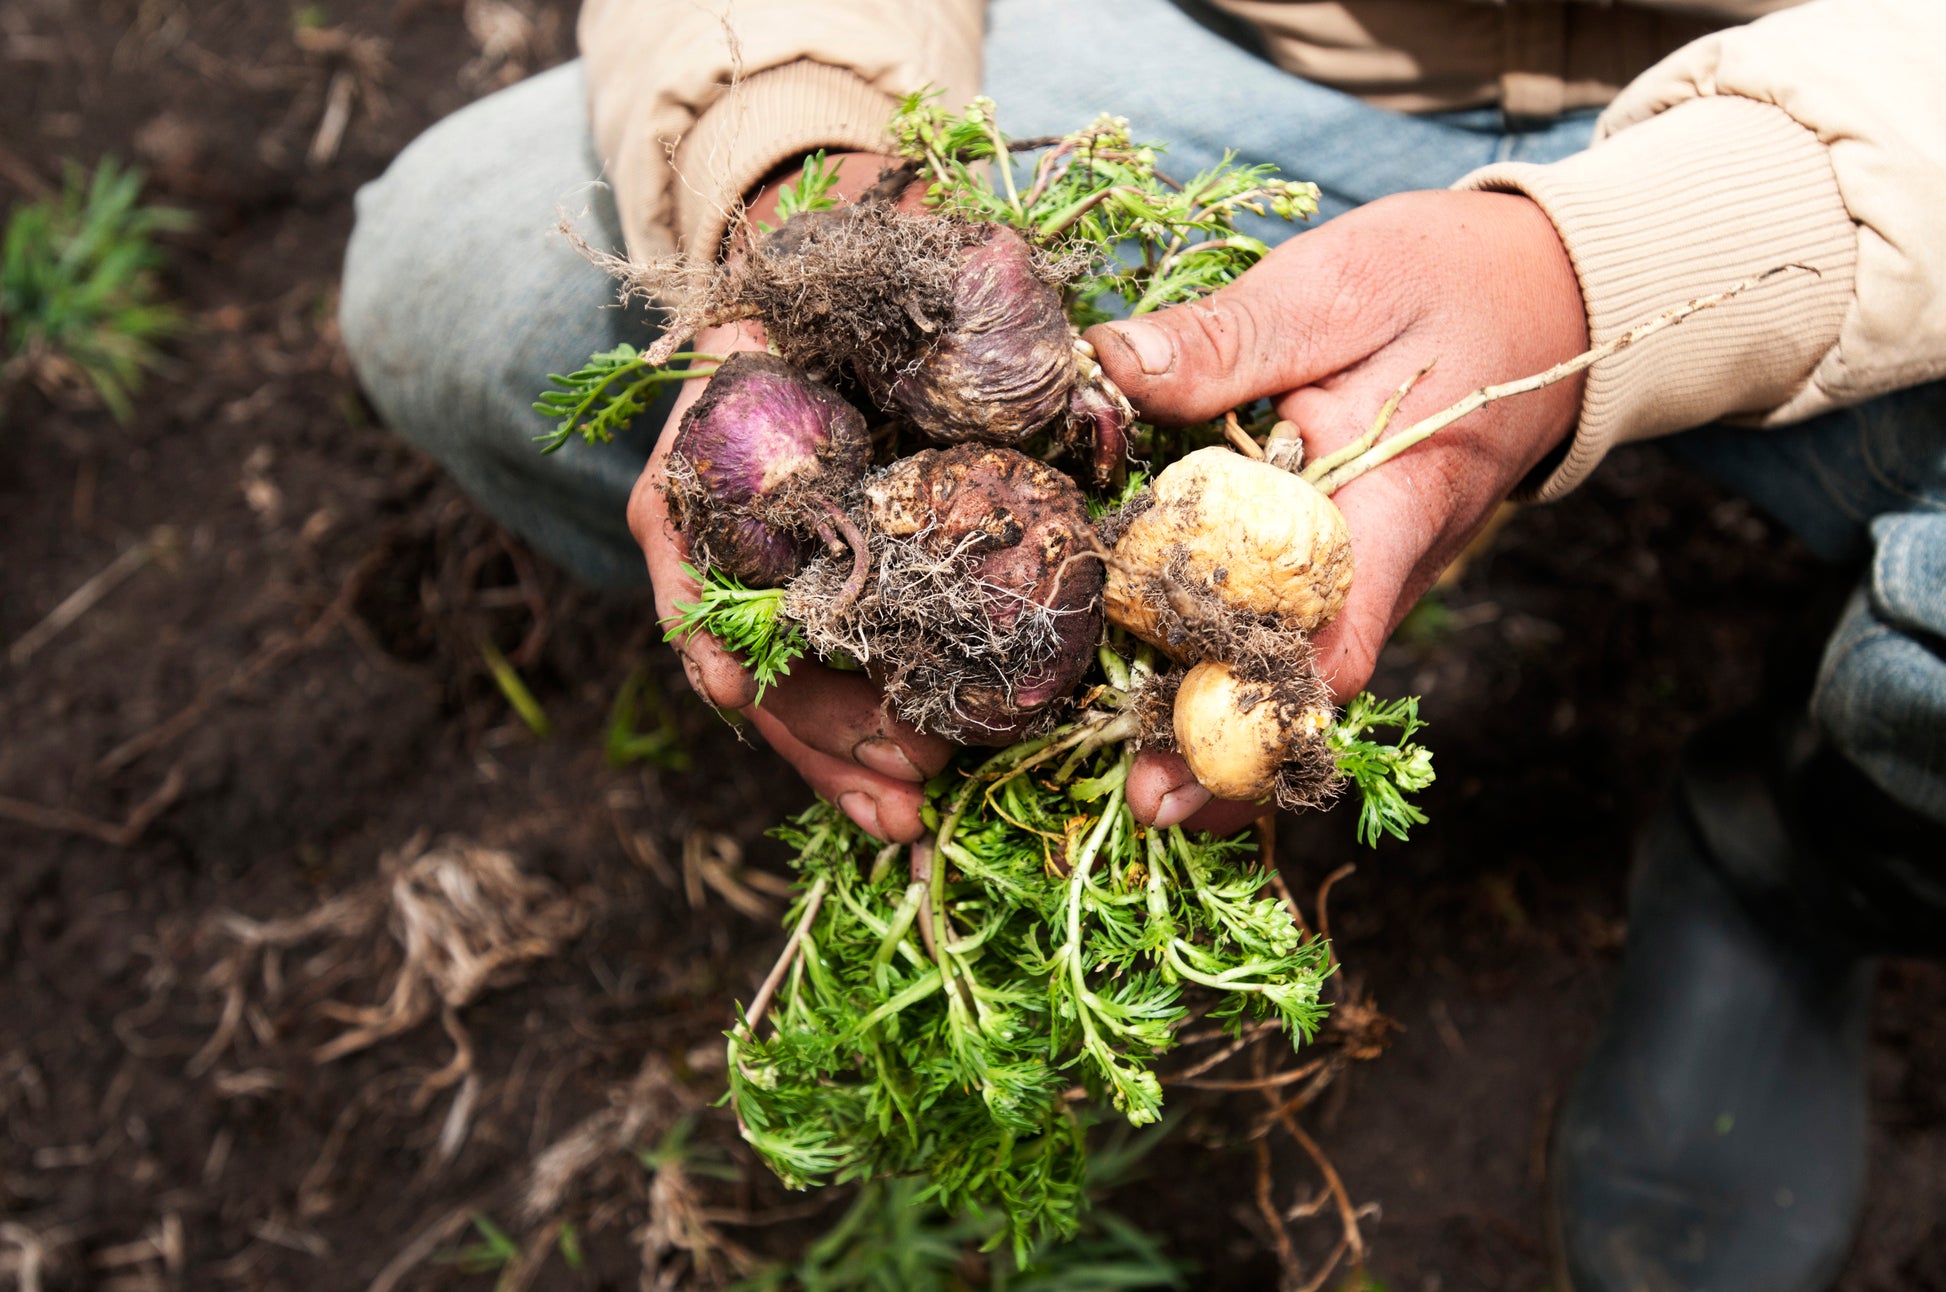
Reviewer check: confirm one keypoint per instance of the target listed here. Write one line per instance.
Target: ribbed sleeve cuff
(1682, 205)
(775, 116)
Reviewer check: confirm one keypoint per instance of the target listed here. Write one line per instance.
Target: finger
(1161, 792)
(1287, 322)
(882, 807)
(1225, 817)
(1390, 527)
(844, 715)
(716, 675)
(1405, 520)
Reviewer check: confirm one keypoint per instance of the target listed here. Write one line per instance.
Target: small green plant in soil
(79, 301)
(628, 743)
(894, 1238)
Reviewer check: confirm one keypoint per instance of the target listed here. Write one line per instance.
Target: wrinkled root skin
(1099, 416)
(1004, 369)
(758, 462)
(985, 606)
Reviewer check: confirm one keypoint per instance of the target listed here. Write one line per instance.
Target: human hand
(1328, 326)
(831, 726)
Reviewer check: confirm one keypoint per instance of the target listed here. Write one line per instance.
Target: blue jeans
(459, 299)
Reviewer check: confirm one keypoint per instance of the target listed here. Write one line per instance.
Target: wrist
(1543, 275)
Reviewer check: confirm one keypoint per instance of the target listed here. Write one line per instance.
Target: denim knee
(1881, 693)
(460, 297)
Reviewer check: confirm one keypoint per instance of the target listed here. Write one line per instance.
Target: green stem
(895, 932)
(918, 991)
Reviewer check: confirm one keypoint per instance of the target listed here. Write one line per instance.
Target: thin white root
(84, 598)
(1344, 473)
(464, 917)
(761, 1004)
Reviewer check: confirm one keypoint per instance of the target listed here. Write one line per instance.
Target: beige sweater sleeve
(1815, 136)
(694, 101)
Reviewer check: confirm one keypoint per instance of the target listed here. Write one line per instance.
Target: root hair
(923, 625)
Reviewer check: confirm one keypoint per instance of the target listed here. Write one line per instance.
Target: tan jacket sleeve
(694, 101)
(1814, 136)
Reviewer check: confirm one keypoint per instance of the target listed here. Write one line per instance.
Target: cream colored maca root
(1261, 540)
(1237, 735)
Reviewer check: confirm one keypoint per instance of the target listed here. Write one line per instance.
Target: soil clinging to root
(1274, 663)
(983, 607)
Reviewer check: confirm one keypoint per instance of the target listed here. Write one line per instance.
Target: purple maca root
(1012, 557)
(767, 459)
(1004, 368)
(954, 327)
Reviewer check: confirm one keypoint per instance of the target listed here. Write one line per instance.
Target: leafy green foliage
(514, 689)
(493, 1251)
(1131, 489)
(941, 1003)
(811, 191)
(78, 287)
(598, 401)
(1148, 240)
(568, 1243)
(747, 622)
(1383, 773)
(893, 1238)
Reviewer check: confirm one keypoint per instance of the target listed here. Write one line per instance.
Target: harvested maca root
(1264, 541)
(1228, 564)
(1249, 738)
(998, 546)
(767, 459)
(937, 1005)
(1004, 366)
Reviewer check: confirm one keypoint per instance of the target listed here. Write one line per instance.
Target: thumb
(1278, 327)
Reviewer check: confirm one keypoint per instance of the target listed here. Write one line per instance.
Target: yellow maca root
(1236, 735)
(1261, 539)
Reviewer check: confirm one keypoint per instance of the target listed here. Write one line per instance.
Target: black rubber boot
(1715, 1140)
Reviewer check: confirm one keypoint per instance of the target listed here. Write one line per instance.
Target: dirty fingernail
(1153, 348)
(1179, 804)
(861, 808)
(886, 758)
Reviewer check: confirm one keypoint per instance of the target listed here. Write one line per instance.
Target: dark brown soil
(302, 679)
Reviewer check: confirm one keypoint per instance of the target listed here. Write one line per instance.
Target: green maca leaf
(747, 622)
(812, 189)
(1147, 240)
(601, 399)
(944, 1001)
(1383, 773)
